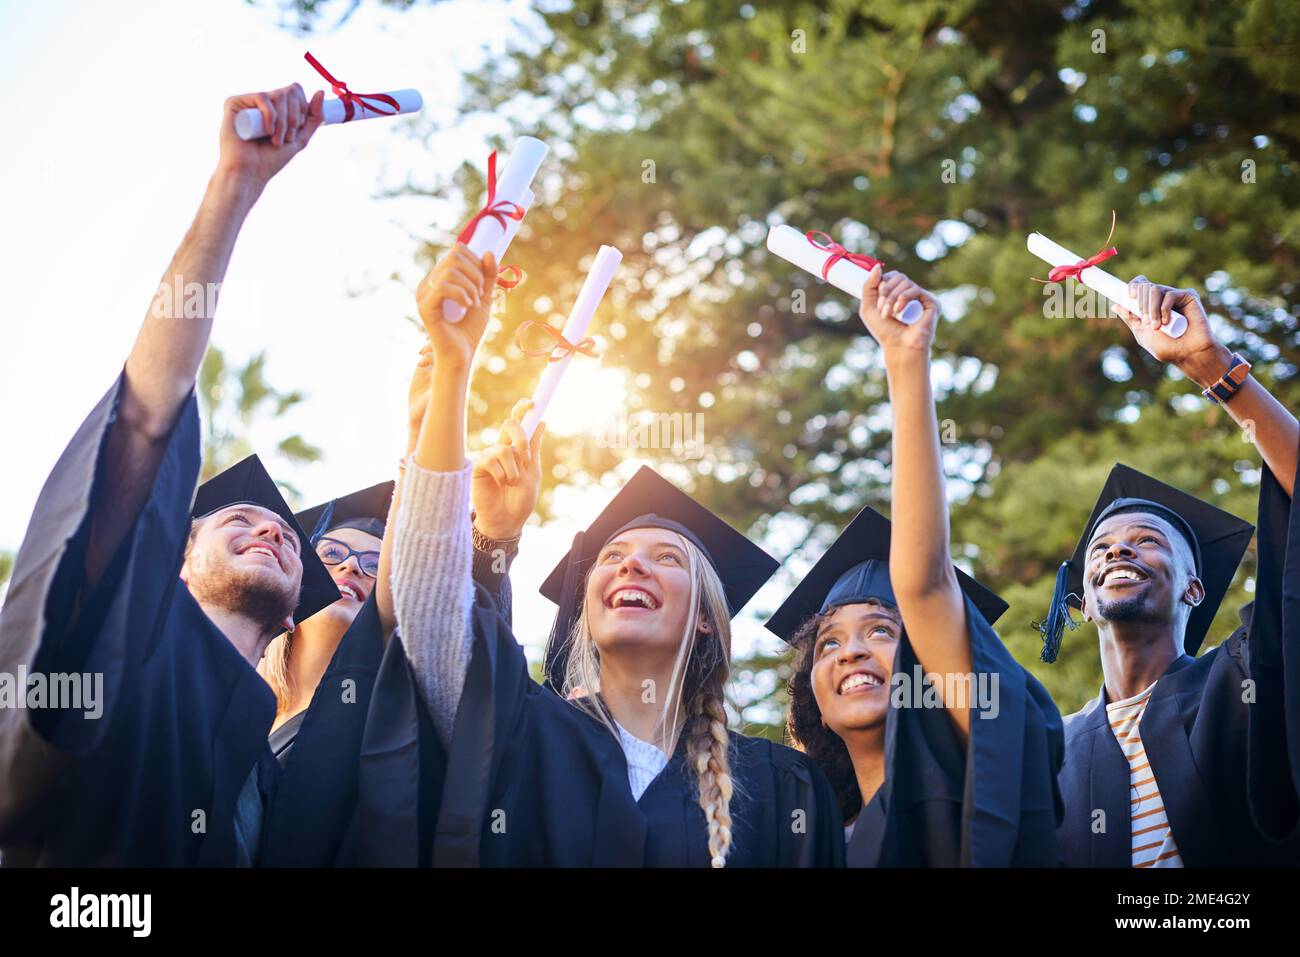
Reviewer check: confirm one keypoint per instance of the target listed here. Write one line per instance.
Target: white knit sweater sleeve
(433, 593)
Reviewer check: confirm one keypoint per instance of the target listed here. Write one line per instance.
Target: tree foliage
(934, 135)
(231, 399)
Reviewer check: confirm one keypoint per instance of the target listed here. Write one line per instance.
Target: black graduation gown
(993, 804)
(307, 824)
(529, 780)
(185, 717)
(1227, 770)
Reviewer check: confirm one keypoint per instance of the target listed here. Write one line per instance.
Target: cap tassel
(557, 645)
(1058, 616)
(323, 524)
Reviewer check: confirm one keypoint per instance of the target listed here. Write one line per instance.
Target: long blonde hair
(275, 670)
(695, 701)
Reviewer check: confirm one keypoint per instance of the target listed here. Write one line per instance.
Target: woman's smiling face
(853, 657)
(639, 591)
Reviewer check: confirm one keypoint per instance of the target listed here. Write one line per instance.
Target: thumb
(315, 113)
(871, 287)
(490, 267)
(1130, 320)
(535, 448)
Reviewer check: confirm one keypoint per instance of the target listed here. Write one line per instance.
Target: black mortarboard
(650, 501)
(248, 483)
(365, 510)
(1218, 540)
(856, 568)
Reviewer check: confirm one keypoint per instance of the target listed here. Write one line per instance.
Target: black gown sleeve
(307, 823)
(418, 802)
(51, 623)
(1272, 626)
(995, 803)
(493, 573)
(809, 824)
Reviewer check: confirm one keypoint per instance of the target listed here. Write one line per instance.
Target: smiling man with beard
(171, 595)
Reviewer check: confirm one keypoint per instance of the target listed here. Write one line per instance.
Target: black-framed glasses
(334, 552)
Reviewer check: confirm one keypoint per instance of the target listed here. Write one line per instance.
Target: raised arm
(417, 403)
(431, 589)
(161, 369)
(1203, 359)
(920, 564)
(506, 482)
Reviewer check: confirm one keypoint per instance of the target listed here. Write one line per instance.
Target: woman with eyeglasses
(323, 672)
(347, 534)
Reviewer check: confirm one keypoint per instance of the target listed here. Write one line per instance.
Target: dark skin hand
(1203, 359)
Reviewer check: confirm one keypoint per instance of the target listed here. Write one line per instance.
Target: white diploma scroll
(454, 311)
(249, 125)
(512, 187)
(794, 247)
(1098, 280)
(593, 290)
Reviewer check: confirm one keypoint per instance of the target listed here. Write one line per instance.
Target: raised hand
(460, 277)
(884, 295)
(417, 396)
(507, 478)
(1200, 356)
(291, 121)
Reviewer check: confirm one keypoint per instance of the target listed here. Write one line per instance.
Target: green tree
(934, 135)
(232, 398)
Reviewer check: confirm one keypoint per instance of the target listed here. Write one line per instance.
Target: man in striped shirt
(1180, 760)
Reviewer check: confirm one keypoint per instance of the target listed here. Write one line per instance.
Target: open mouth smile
(350, 590)
(260, 549)
(630, 596)
(1120, 576)
(860, 682)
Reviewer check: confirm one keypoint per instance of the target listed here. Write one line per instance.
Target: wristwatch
(484, 544)
(1230, 382)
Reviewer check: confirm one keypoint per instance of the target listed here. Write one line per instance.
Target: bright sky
(109, 137)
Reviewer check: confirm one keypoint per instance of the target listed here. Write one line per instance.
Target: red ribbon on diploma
(1059, 273)
(586, 346)
(498, 210)
(516, 277)
(838, 252)
(352, 100)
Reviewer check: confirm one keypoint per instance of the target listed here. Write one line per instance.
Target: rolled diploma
(593, 290)
(793, 246)
(249, 125)
(454, 311)
(1098, 280)
(513, 185)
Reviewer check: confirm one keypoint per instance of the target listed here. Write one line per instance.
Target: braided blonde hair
(699, 675)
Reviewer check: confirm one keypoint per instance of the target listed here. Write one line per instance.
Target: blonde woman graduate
(467, 761)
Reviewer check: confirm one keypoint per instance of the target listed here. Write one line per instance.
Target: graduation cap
(365, 510)
(248, 483)
(650, 501)
(855, 569)
(1218, 540)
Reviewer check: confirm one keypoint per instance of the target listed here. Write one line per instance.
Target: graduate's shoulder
(1079, 721)
(781, 759)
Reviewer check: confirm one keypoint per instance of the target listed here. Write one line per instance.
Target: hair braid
(707, 750)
